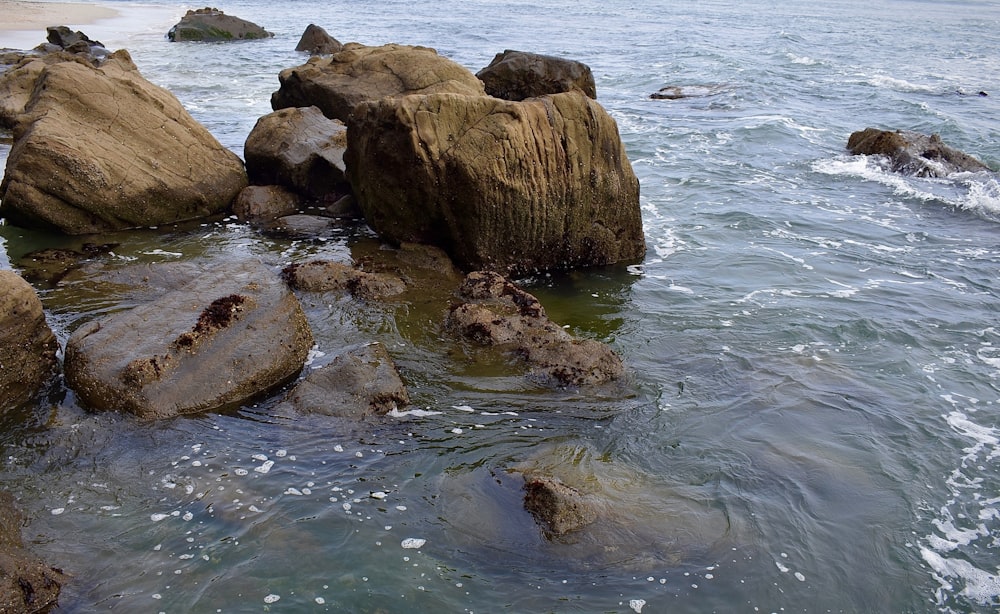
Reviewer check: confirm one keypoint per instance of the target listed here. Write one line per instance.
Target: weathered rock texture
(558, 508)
(362, 381)
(263, 203)
(499, 314)
(212, 341)
(516, 75)
(212, 25)
(912, 153)
(359, 73)
(103, 149)
(324, 276)
(27, 346)
(510, 186)
(316, 41)
(298, 148)
(27, 585)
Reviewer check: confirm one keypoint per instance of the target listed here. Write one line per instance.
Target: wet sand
(34, 16)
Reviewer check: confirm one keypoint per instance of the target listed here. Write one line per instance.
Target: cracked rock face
(101, 148)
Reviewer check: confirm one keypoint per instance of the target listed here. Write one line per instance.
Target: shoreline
(31, 15)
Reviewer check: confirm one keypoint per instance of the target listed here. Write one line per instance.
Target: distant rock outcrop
(515, 187)
(316, 41)
(27, 346)
(210, 340)
(212, 25)
(101, 148)
(516, 75)
(912, 153)
(358, 73)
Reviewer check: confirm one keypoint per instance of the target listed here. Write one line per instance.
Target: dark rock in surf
(212, 340)
(516, 75)
(360, 382)
(338, 83)
(498, 314)
(27, 584)
(263, 203)
(75, 42)
(298, 148)
(212, 25)
(558, 508)
(912, 153)
(27, 346)
(316, 41)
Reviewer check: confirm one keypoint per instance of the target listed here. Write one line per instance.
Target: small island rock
(516, 75)
(212, 25)
(912, 153)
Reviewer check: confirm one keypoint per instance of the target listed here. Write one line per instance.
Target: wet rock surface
(560, 509)
(27, 345)
(258, 204)
(212, 25)
(324, 276)
(912, 153)
(27, 584)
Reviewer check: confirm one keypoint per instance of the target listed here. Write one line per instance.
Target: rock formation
(316, 41)
(27, 346)
(212, 340)
(516, 75)
(102, 148)
(324, 276)
(358, 73)
(212, 25)
(27, 585)
(515, 187)
(912, 153)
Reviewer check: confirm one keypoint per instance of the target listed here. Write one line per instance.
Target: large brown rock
(212, 25)
(498, 314)
(27, 585)
(27, 346)
(102, 148)
(358, 73)
(510, 186)
(912, 153)
(516, 75)
(212, 340)
(298, 148)
(316, 41)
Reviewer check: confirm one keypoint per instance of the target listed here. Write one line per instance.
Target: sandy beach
(21, 15)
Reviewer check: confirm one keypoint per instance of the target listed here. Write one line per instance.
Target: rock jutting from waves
(359, 73)
(537, 185)
(101, 148)
(212, 25)
(207, 340)
(27, 584)
(516, 75)
(27, 345)
(913, 153)
(316, 41)
(498, 314)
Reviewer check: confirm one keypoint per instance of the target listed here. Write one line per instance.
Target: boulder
(27, 584)
(316, 41)
(75, 42)
(558, 508)
(496, 313)
(27, 346)
(212, 25)
(516, 75)
(102, 148)
(18, 82)
(325, 276)
(358, 73)
(360, 382)
(912, 153)
(300, 149)
(263, 203)
(216, 337)
(516, 187)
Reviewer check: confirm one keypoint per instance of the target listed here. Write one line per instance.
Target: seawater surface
(810, 422)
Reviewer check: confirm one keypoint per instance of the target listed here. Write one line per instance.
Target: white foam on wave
(964, 526)
(899, 85)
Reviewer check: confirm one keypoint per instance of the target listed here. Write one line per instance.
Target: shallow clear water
(810, 422)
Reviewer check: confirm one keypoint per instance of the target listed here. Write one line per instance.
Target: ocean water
(810, 422)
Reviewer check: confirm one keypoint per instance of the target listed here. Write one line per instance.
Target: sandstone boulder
(215, 338)
(516, 75)
(912, 153)
(298, 148)
(316, 41)
(362, 381)
(263, 203)
(27, 585)
(498, 314)
(212, 25)
(515, 187)
(27, 346)
(325, 276)
(358, 73)
(103, 149)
